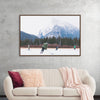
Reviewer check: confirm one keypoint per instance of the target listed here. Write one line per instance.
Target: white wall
(9, 35)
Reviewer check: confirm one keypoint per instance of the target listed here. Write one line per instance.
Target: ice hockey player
(28, 47)
(44, 47)
(56, 47)
(74, 47)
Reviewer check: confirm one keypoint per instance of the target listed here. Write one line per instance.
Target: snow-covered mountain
(68, 31)
(25, 35)
(40, 35)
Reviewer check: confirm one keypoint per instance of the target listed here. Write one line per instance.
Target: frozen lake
(49, 51)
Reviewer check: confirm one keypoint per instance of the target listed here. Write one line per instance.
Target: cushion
(52, 78)
(70, 92)
(32, 78)
(25, 91)
(16, 79)
(50, 91)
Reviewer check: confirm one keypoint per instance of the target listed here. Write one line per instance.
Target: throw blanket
(72, 80)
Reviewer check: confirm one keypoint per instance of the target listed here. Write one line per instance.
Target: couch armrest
(89, 80)
(8, 87)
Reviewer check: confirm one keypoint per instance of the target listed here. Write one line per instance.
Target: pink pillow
(32, 78)
(16, 79)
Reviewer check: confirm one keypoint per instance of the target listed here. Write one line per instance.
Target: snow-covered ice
(51, 51)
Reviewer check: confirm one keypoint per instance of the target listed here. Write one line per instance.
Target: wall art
(50, 35)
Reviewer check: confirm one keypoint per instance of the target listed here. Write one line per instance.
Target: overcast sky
(36, 24)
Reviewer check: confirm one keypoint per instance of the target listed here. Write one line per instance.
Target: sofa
(54, 89)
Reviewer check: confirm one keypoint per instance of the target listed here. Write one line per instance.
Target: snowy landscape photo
(50, 35)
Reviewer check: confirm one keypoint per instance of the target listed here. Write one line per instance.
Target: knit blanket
(72, 80)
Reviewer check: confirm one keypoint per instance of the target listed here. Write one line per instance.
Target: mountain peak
(68, 31)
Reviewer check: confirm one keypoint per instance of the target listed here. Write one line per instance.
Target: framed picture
(50, 35)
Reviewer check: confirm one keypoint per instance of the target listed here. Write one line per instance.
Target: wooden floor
(3, 98)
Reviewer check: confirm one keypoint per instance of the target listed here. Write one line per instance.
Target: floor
(3, 98)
